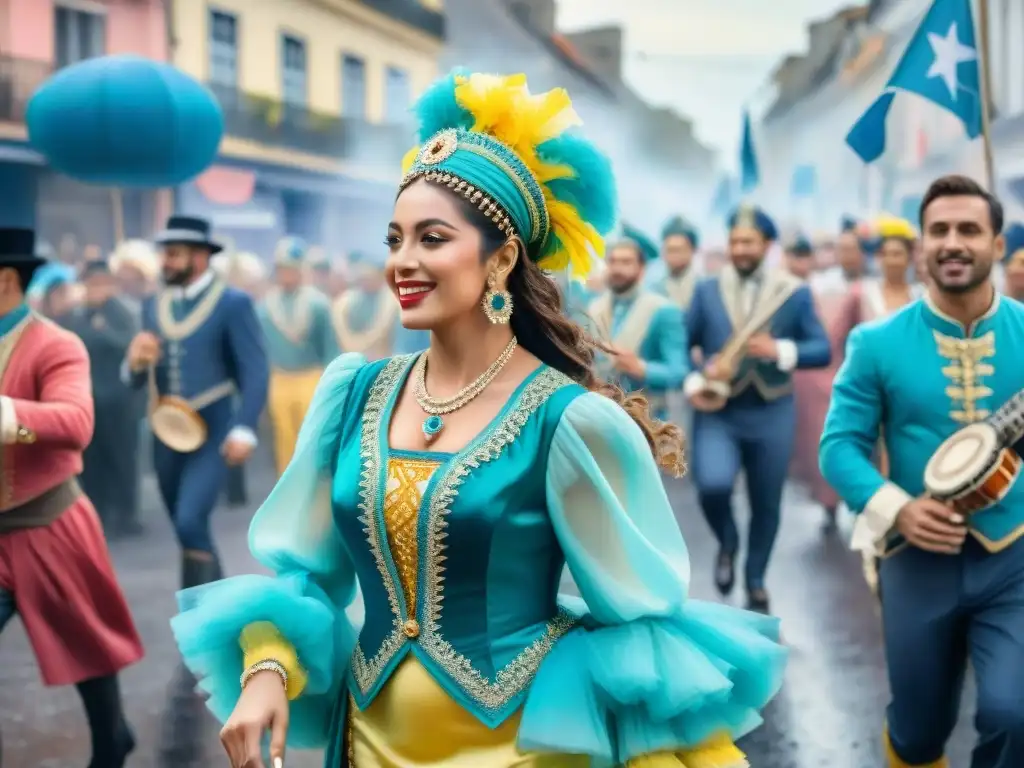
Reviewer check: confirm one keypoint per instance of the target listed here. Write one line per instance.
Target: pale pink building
(38, 37)
(61, 32)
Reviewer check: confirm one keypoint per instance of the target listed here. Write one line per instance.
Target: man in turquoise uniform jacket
(952, 589)
(296, 321)
(644, 330)
(679, 240)
(755, 430)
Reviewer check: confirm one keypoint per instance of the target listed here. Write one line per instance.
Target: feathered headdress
(514, 154)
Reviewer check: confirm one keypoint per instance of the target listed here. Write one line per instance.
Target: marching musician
(296, 320)
(204, 344)
(952, 589)
(752, 427)
(644, 330)
(1013, 262)
(366, 315)
(55, 570)
(679, 241)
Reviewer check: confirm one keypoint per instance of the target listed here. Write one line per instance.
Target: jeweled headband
(515, 156)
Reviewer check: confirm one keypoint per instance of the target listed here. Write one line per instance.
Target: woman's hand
(263, 704)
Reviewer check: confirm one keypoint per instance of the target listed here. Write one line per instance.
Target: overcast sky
(707, 58)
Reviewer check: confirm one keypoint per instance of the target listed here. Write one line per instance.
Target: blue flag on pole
(750, 174)
(940, 64)
(723, 200)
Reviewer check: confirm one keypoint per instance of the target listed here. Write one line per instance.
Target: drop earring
(497, 305)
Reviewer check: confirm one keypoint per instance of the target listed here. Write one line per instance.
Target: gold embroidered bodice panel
(969, 365)
(407, 482)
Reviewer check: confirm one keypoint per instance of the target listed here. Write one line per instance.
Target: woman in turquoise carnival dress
(451, 488)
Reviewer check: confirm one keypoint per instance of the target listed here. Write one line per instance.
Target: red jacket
(47, 389)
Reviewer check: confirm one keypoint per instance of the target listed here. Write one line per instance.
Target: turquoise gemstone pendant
(432, 426)
(497, 302)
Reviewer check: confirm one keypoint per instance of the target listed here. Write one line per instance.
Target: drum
(177, 425)
(972, 470)
(174, 421)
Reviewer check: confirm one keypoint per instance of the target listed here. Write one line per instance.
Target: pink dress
(840, 314)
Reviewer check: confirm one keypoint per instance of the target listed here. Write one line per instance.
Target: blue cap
(49, 277)
(752, 216)
(290, 252)
(801, 246)
(368, 260)
(848, 224)
(648, 250)
(677, 225)
(1014, 235)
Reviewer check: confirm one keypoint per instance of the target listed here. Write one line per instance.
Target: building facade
(316, 97)
(820, 95)
(38, 37)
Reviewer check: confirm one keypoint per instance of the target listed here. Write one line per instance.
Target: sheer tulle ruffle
(212, 619)
(656, 686)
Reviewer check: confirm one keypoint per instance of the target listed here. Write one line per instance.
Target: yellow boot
(893, 760)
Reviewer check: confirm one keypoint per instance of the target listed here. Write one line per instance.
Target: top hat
(18, 248)
(188, 230)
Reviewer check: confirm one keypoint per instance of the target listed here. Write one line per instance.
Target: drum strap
(42, 510)
(197, 403)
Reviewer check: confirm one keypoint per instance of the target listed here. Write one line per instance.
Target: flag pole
(986, 93)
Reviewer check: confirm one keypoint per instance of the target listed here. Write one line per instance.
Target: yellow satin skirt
(414, 723)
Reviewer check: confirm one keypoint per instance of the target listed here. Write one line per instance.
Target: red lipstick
(412, 292)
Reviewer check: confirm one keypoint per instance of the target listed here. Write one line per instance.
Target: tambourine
(174, 421)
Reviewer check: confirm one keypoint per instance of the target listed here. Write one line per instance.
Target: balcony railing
(19, 79)
(267, 121)
(412, 13)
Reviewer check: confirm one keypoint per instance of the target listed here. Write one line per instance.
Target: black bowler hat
(18, 248)
(188, 230)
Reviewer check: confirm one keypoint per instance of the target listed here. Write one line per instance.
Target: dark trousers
(191, 483)
(110, 473)
(759, 440)
(938, 613)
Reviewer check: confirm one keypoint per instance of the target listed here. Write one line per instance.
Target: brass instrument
(716, 392)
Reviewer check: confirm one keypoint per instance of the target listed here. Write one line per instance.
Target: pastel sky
(706, 58)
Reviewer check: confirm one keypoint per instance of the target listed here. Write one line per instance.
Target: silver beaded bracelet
(267, 665)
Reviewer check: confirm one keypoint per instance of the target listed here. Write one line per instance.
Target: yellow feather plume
(892, 226)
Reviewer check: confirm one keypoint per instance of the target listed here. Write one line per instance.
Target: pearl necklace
(438, 407)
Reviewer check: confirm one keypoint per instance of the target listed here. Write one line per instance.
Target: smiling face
(435, 266)
(960, 245)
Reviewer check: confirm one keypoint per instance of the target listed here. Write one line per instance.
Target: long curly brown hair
(542, 328)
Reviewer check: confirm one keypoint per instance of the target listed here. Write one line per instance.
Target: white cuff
(694, 383)
(878, 518)
(786, 355)
(8, 422)
(243, 435)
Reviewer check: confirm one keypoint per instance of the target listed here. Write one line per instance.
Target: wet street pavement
(828, 715)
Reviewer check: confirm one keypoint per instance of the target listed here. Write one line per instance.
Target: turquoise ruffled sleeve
(649, 671)
(294, 535)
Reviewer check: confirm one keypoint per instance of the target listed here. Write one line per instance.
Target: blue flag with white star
(940, 64)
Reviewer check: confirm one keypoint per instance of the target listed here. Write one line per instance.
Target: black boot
(725, 572)
(112, 738)
(758, 600)
(199, 568)
(187, 728)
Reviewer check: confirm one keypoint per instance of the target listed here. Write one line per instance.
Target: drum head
(962, 460)
(180, 429)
